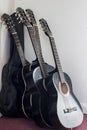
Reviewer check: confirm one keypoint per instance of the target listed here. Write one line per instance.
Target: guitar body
(29, 91)
(40, 114)
(8, 94)
(44, 101)
(66, 109)
(34, 99)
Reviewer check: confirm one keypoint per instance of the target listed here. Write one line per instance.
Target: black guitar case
(10, 95)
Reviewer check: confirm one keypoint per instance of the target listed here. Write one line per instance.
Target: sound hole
(64, 88)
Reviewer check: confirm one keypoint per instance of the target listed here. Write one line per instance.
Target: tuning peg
(17, 18)
(16, 14)
(19, 22)
(27, 15)
(21, 18)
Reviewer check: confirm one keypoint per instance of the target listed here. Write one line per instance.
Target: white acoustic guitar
(68, 109)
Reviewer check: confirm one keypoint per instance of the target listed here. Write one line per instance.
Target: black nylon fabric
(10, 95)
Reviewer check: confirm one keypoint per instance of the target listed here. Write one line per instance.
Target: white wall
(5, 6)
(68, 22)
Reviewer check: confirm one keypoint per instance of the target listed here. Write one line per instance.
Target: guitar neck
(56, 59)
(34, 35)
(19, 48)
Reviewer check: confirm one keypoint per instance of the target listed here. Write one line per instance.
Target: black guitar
(24, 76)
(67, 108)
(43, 69)
(10, 94)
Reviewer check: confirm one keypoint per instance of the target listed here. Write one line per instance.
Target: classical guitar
(24, 76)
(43, 69)
(68, 109)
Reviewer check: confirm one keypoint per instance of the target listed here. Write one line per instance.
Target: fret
(56, 59)
(19, 48)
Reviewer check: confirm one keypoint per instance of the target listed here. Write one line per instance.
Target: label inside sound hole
(64, 88)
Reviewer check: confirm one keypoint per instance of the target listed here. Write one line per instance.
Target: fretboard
(19, 48)
(56, 59)
(34, 35)
(35, 27)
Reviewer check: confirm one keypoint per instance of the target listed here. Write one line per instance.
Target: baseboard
(84, 106)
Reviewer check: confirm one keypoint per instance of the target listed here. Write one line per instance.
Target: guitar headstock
(21, 16)
(9, 22)
(45, 27)
(31, 16)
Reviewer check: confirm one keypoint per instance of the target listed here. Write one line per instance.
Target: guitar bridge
(69, 110)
